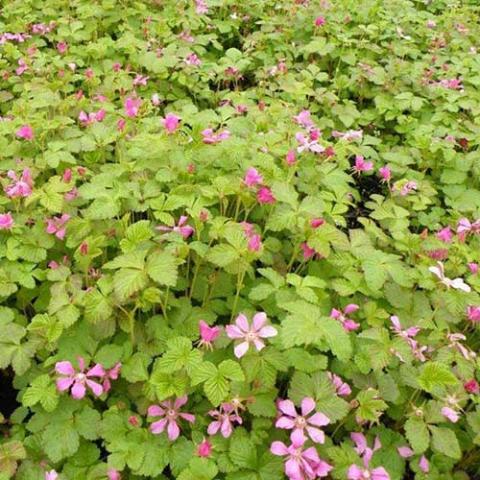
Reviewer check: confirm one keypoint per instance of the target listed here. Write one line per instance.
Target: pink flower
(431, 24)
(306, 144)
(250, 334)
(201, 7)
(464, 227)
(454, 339)
(224, 417)
(111, 374)
(211, 138)
(290, 158)
(456, 283)
(71, 195)
(121, 124)
(349, 135)
(25, 132)
(87, 119)
(6, 221)
(397, 328)
(424, 464)
(317, 222)
(320, 21)
(254, 243)
(405, 452)
(132, 106)
(204, 449)
(252, 177)
(409, 187)
(473, 267)
(193, 60)
(140, 80)
(265, 196)
(170, 411)
(171, 123)
(472, 386)
(156, 100)
(385, 173)
(445, 235)
(113, 474)
(357, 473)
(303, 119)
(78, 381)
(56, 225)
(207, 334)
(62, 47)
(348, 324)
(21, 187)
(342, 388)
(450, 414)
(292, 420)
(361, 165)
(300, 464)
(308, 252)
(89, 73)
(184, 230)
(22, 67)
(51, 475)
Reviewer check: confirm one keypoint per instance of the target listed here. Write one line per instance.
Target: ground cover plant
(239, 239)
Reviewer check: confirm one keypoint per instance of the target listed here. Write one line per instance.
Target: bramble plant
(239, 240)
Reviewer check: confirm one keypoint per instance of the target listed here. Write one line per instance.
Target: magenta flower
(473, 314)
(204, 449)
(290, 158)
(361, 165)
(207, 334)
(21, 187)
(156, 99)
(385, 173)
(171, 123)
(308, 144)
(132, 106)
(78, 381)
(254, 243)
(341, 315)
(171, 412)
(304, 119)
(211, 138)
(445, 235)
(320, 21)
(113, 474)
(265, 196)
(252, 177)
(292, 420)
(300, 464)
(201, 7)
(317, 222)
(62, 47)
(25, 132)
(404, 333)
(184, 230)
(56, 225)
(424, 464)
(308, 252)
(87, 119)
(341, 388)
(140, 80)
(109, 375)
(193, 60)
(250, 334)
(473, 267)
(357, 473)
(472, 386)
(225, 418)
(6, 221)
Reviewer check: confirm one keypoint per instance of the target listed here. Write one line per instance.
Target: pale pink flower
(450, 414)
(225, 418)
(241, 109)
(407, 333)
(409, 187)
(473, 313)
(291, 420)
(349, 135)
(204, 449)
(71, 194)
(341, 388)
(252, 177)
(93, 117)
(290, 158)
(56, 225)
(445, 235)
(181, 228)
(111, 374)
(455, 343)
(89, 73)
(193, 60)
(21, 187)
(113, 474)
(22, 67)
(358, 473)
(465, 227)
(424, 464)
(405, 451)
(254, 243)
(307, 144)
(6, 221)
(62, 47)
(121, 123)
(132, 106)
(265, 196)
(156, 99)
(385, 173)
(300, 464)
(171, 123)
(25, 132)
(361, 165)
(250, 334)
(456, 283)
(304, 119)
(207, 334)
(201, 7)
(211, 138)
(348, 324)
(140, 80)
(186, 36)
(170, 411)
(473, 267)
(51, 475)
(78, 381)
(320, 21)
(431, 23)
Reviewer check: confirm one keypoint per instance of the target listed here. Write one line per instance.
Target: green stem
(241, 276)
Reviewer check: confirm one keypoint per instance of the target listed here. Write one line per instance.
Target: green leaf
(434, 375)
(41, 390)
(222, 255)
(216, 388)
(243, 452)
(87, 423)
(60, 440)
(162, 268)
(231, 370)
(370, 406)
(10, 453)
(445, 442)
(417, 434)
(127, 282)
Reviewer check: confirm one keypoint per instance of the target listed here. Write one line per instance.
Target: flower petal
(155, 411)
(242, 323)
(308, 405)
(64, 384)
(96, 371)
(285, 422)
(316, 434)
(214, 427)
(180, 402)
(259, 320)
(268, 331)
(241, 349)
(64, 368)
(319, 420)
(288, 408)
(95, 387)
(234, 332)
(354, 473)
(279, 449)
(78, 390)
(173, 430)
(159, 426)
(188, 417)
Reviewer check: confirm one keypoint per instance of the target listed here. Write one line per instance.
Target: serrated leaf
(445, 442)
(41, 390)
(434, 375)
(162, 268)
(417, 434)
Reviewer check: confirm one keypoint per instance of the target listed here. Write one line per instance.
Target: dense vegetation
(239, 239)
